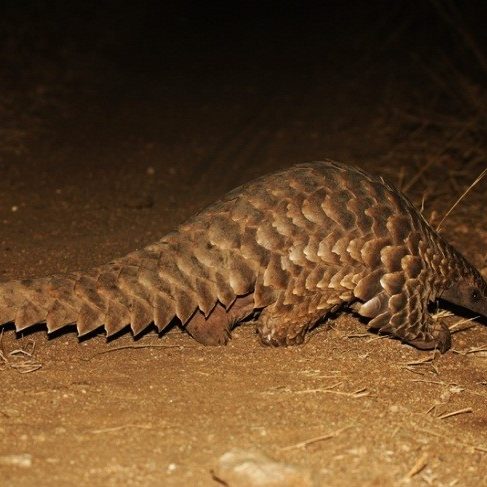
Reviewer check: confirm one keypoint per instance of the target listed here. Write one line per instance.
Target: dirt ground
(126, 162)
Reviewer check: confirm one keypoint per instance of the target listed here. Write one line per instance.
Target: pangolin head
(468, 291)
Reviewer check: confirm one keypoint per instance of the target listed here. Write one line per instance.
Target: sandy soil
(124, 165)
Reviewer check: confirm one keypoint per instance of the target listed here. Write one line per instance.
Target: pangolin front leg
(435, 335)
(405, 315)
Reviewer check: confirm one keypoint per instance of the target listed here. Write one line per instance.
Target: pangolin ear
(452, 295)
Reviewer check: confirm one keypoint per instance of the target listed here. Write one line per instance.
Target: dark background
(161, 40)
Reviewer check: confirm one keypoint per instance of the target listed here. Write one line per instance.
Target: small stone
(242, 468)
(456, 389)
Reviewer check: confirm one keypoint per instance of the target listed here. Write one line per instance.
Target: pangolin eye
(475, 295)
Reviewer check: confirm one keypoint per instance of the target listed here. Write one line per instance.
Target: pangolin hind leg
(216, 327)
(426, 334)
(279, 325)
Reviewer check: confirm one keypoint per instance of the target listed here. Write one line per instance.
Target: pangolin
(282, 251)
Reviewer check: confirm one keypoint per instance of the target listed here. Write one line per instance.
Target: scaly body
(285, 249)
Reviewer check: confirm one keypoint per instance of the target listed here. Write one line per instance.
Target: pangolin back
(288, 248)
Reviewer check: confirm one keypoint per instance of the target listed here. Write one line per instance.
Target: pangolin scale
(284, 250)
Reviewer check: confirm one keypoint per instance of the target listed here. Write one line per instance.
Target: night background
(120, 120)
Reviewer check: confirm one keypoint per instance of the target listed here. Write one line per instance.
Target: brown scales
(285, 249)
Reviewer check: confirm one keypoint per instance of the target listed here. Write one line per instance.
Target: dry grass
(21, 359)
(316, 439)
(418, 466)
(445, 146)
(460, 198)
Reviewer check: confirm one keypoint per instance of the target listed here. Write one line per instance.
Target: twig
(482, 174)
(422, 361)
(316, 439)
(358, 335)
(419, 465)
(437, 382)
(433, 407)
(482, 348)
(122, 427)
(456, 413)
(413, 370)
(371, 337)
(356, 394)
(465, 328)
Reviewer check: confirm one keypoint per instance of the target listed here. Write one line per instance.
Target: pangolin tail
(105, 296)
(147, 286)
